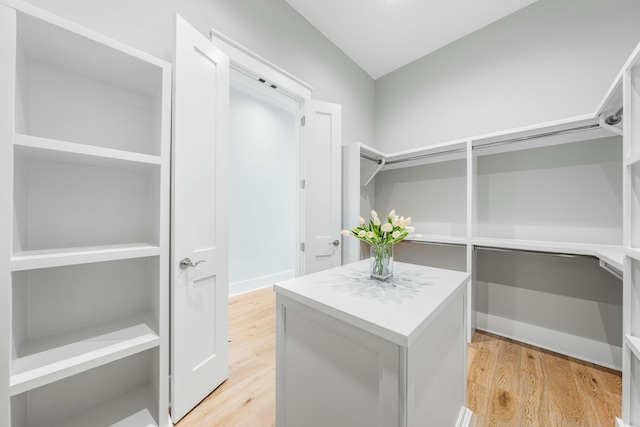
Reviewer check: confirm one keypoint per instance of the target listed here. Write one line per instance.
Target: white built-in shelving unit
(534, 214)
(84, 292)
(627, 87)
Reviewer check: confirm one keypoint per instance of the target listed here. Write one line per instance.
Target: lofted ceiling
(384, 35)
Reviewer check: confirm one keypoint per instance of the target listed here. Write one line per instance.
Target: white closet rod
(418, 242)
(418, 157)
(364, 156)
(541, 135)
(531, 252)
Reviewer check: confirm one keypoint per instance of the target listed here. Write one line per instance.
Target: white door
(199, 321)
(321, 146)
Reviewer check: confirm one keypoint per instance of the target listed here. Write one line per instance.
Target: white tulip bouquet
(381, 236)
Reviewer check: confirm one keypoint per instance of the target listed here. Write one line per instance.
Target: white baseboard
(620, 423)
(586, 349)
(259, 282)
(464, 419)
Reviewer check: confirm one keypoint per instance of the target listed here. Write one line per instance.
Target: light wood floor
(510, 383)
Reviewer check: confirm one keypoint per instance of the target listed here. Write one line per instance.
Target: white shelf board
(633, 253)
(632, 160)
(435, 153)
(53, 358)
(612, 254)
(29, 260)
(370, 151)
(542, 137)
(53, 150)
(133, 409)
(438, 238)
(634, 345)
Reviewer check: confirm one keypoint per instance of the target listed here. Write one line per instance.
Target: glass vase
(381, 262)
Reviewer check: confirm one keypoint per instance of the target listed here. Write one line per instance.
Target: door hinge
(303, 183)
(301, 247)
(303, 120)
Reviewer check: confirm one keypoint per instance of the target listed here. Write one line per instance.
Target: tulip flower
(346, 233)
(387, 228)
(361, 220)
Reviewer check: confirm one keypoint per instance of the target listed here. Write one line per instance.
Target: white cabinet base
(330, 372)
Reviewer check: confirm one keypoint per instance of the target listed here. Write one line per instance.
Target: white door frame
(243, 60)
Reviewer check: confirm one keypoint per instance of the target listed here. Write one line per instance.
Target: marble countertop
(398, 309)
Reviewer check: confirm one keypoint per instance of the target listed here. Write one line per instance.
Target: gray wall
(270, 28)
(551, 60)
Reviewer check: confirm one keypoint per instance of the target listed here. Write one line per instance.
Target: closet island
(354, 351)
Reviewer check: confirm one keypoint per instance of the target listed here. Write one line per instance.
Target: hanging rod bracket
(615, 118)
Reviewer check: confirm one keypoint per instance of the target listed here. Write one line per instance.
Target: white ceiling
(383, 35)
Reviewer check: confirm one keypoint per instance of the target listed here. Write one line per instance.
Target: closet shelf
(29, 260)
(633, 253)
(438, 238)
(612, 254)
(634, 345)
(52, 150)
(132, 409)
(50, 359)
(632, 160)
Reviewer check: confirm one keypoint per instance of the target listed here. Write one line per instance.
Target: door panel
(323, 172)
(199, 327)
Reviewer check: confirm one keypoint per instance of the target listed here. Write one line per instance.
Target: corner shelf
(44, 361)
(612, 254)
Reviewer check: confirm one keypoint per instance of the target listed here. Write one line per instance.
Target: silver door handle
(186, 263)
(335, 243)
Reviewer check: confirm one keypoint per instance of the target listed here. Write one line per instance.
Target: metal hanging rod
(373, 159)
(615, 118)
(418, 157)
(426, 156)
(540, 135)
(421, 242)
(531, 252)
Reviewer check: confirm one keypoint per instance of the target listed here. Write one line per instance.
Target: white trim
(620, 423)
(259, 282)
(600, 353)
(249, 62)
(465, 417)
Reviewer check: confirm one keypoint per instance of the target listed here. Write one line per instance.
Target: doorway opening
(264, 184)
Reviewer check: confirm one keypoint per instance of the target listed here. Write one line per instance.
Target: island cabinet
(352, 351)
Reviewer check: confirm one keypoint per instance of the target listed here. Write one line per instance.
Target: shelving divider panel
(55, 150)
(29, 260)
(82, 350)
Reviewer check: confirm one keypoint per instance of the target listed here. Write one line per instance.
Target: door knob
(186, 263)
(335, 243)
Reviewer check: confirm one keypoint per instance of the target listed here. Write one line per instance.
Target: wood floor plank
(533, 388)
(484, 350)
(509, 383)
(504, 393)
